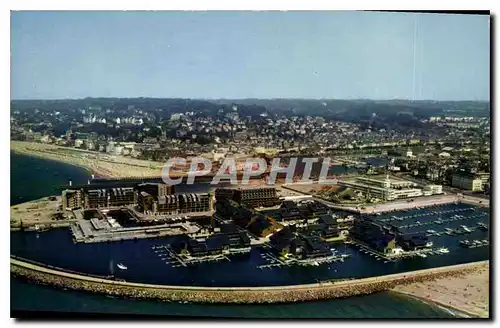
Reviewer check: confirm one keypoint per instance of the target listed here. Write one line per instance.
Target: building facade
(250, 196)
(71, 199)
(112, 197)
(467, 181)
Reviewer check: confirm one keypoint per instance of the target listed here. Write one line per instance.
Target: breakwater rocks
(247, 295)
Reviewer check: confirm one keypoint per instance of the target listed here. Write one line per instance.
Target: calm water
(55, 247)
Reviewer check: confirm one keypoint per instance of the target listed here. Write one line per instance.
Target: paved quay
(45, 212)
(265, 294)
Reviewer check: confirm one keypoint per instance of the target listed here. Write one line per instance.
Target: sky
(334, 55)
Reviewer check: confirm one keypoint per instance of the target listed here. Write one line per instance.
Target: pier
(391, 257)
(83, 233)
(177, 260)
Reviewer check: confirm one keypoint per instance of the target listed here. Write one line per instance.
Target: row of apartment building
(149, 198)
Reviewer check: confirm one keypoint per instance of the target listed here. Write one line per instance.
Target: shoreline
(235, 295)
(100, 164)
(87, 168)
(468, 294)
(429, 301)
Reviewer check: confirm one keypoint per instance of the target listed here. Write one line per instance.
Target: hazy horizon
(337, 55)
(252, 98)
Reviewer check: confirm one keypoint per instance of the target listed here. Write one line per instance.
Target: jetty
(265, 294)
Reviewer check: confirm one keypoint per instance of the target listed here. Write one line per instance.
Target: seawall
(268, 294)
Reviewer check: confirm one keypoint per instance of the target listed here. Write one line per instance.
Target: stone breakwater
(247, 295)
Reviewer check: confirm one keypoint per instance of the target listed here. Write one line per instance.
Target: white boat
(443, 250)
(422, 255)
(465, 228)
(429, 244)
(121, 266)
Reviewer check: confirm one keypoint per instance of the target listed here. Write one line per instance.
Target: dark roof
(197, 246)
(383, 241)
(327, 219)
(229, 228)
(418, 242)
(288, 204)
(283, 234)
(416, 236)
(217, 241)
(315, 243)
(258, 224)
(288, 213)
(244, 238)
(318, 207)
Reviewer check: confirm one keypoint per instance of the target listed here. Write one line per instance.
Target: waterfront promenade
(266, 294)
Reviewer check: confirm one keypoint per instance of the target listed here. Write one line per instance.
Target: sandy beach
(467, 293)
(100, 164)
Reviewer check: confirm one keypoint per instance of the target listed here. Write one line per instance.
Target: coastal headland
(268, 294)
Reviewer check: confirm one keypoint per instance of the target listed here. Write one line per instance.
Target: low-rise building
(383, 189)
(433, 189)
(373, 235)
(467, 181)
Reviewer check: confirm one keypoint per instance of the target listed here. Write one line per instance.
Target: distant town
(412, 180)
(445, 143)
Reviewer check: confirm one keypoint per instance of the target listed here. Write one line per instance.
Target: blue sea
(33, 178)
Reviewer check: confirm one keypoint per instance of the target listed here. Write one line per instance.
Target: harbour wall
(268, 294)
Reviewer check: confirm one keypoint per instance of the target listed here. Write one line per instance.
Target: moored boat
(122, 266)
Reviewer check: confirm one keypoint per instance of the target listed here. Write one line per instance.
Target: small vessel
(443, 250)
(422, 255)
(429, 244)
(465, 228)
(465, 243)
(122, 266)
(476, 243)
(482, 226)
